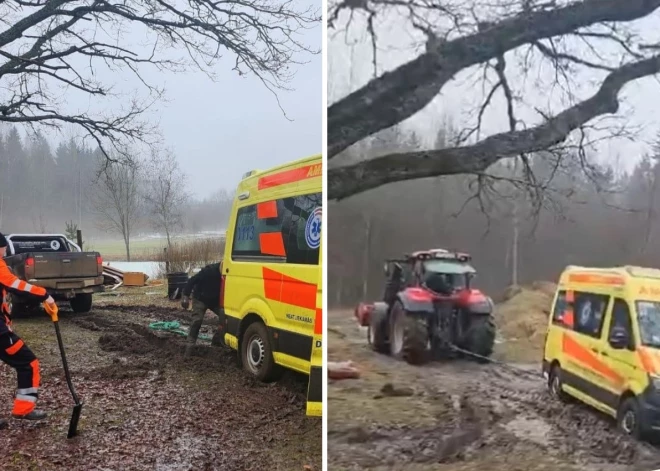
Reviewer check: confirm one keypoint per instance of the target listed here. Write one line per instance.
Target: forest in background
(42, 188)
(576, 213)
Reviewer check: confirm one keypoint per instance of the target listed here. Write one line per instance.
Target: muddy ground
(461, 416)
(148, 408)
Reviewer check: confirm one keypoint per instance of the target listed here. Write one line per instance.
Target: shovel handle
(64, 363)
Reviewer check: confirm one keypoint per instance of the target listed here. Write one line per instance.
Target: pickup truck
(56, 263)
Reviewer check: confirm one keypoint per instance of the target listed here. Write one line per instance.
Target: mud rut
(125, 332)
(235, 422)
(489, 415)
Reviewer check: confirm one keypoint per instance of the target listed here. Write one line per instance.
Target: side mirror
(386, 269)
(619, 338)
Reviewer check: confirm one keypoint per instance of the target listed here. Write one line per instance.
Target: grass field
(145, 249)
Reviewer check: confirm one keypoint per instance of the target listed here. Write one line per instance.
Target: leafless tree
(117, 199)
(51, 50)
(165, 193)
(490, 38)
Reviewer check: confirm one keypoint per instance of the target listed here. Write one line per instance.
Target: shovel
(77, 408)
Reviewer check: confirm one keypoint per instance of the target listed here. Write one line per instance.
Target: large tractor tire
(377, 330)
(409, 336)
(480, 337)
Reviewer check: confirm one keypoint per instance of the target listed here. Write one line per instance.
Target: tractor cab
(440, 271)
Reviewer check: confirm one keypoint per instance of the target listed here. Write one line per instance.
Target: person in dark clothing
(13, 350)
(205, 289)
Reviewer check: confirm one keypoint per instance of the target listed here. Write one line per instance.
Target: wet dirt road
(148, 408)
(460, 416)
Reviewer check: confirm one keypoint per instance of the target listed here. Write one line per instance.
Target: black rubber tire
(16, 309)
(480, 337)
(627, 410)
(554, 385)
(414, 337)
(415, 341)
(376, 333)
(268, 371)
(82, 303)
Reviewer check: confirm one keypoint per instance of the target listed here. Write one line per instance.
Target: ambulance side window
(589, 311)
(301, 228)
(560, 307)
(621, 319)
(286, 230)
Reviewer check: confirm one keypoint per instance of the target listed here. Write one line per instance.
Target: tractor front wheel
(409, 336)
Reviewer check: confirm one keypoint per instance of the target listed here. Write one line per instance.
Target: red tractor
(430, 309)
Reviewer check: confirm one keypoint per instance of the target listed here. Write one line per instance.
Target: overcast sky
(221, 130)
(350, 67)
(218, 130)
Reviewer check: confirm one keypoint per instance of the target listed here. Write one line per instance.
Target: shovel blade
(73, 424)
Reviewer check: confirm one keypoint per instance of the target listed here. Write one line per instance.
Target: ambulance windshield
(648, 316)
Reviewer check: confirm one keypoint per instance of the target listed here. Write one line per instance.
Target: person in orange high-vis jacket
(13, 351)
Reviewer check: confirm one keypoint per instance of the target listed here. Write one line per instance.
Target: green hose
(173, 327)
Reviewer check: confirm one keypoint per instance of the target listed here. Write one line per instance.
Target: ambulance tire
(628, 419)
(257, 354)
(555, 383)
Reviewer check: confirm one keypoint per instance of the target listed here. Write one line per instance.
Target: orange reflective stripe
(22, 407)
(288, 290)
(14, 348)
(290, 176)
(573, 349)
(570, 296)
(21, 285)
(595, 279)
(271, 243)
(36, 374)
(318, 322)
(647, 361)
(267, 209)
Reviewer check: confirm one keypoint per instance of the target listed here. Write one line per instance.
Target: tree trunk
(128, 249)
(366, 259)
(514, 249)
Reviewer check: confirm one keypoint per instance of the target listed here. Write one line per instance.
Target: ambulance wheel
(555, 384)
(628, 418)
(257, 354)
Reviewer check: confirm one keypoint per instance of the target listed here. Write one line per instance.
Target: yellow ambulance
(272, 274)
(603, 344)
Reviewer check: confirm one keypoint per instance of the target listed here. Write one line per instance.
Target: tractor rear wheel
(409, 337)
(480, 337)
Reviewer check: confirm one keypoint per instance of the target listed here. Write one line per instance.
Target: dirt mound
(524, 314)
(522, 319)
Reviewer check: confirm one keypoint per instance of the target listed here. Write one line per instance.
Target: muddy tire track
(484, 413)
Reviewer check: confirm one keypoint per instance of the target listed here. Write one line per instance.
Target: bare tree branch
(43, 43)
(399, 94)
(355, 178)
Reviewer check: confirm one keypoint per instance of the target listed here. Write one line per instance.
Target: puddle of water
(531, 429)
